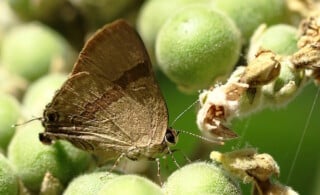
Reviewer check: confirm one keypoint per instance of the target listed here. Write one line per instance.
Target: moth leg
(116, 162)
(158, 171)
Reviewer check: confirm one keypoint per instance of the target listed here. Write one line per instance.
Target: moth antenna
(26, 122)
(188, 108)
(158, 171)
(216, 141)
(173, 158)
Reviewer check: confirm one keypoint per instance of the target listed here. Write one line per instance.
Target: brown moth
(111, 104)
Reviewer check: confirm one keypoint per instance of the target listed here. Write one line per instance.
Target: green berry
(196, 46)
(201, 178)
(89, 184)
(31, 50)
(7, 19)
(40, 9)
(9, 114)
(8, 181)
(281, 39)
(98, 13)
(249, 14)
(40, 93)
(32, 159)
(153, 15)
(130, 184)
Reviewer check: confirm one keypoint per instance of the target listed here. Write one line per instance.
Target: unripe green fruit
(196, 46)
(7, 19)
(201, 178)
(40, 93)
(130, 184)
(153, 15)
(9, 114)
(98, 13)
(281, 39)
(32, 159)
(40, 9)
(31, 50)
(249, 14)
(89, 184)
(8, 180)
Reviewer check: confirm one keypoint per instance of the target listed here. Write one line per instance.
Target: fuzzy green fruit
(281, 39)
(32, 50)
(249, 14)
(40, 93)
(32, 159)
(89, 184)
(40, 9)
(201, 178)
(130, 184)
(196, 46)
(8, 180)
(7, 19)
(98, 13)
(9, 114)
(153, 15)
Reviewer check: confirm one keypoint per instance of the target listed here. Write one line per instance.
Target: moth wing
(111, 98)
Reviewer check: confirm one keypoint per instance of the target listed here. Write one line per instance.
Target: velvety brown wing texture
(113, 50)
(111, 102)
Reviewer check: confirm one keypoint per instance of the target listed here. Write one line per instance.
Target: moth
(111, 103)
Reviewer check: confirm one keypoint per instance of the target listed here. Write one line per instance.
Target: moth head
(171, 137)
(49, 118)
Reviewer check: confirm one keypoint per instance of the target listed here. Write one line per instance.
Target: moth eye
(52, 117)
(170, 137)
